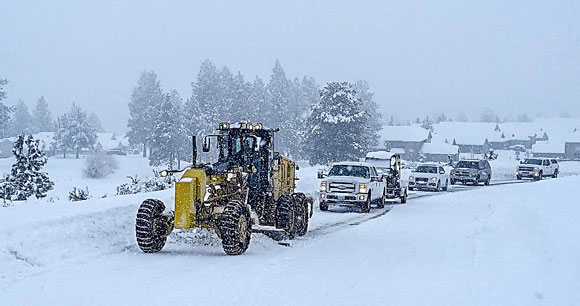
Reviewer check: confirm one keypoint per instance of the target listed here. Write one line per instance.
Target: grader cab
(250, 188)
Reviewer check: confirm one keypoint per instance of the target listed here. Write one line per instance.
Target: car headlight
(411, 178)
(362, 188)
(433, 178)
(322, 186)
(471, 175)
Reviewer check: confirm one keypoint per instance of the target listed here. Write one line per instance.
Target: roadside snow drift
(500, 245)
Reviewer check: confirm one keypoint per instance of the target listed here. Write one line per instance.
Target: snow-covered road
(513, 244)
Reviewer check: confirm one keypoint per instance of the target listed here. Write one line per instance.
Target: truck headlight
(411, 178)
(322, 186)
(433, 179)
(536, 169)
(362, 188)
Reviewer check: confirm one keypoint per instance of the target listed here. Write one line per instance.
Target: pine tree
(257, 101)
(427, 123)
(279, 100)
(26, 179)
(4, 110)
(374, 125)
(336, 126)
(74, 131)
(22, 121)
(42, 117)
(202, 109)
(169, 140)
(146, 95)
(95, 123)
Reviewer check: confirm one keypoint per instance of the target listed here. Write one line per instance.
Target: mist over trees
(4, 110)
(74, 131)
(145, 96)
(42, 117)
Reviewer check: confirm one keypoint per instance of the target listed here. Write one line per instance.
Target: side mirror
(297, 167)
(442, 172)
(206, 144)
(320, 175)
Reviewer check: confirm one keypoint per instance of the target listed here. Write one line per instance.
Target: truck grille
(526, 169)
(341, 187)
(462, 173)
(421, 179)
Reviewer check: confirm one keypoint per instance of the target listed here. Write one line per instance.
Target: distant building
(405, 140)
(551, 149)
(572, 150)
(439, 152)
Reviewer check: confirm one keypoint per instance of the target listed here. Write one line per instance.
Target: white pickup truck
(537, 168)
(352, 184)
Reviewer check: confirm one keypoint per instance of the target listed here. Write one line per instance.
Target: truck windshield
(348, 170)
(468, 164)
(426, 169)
(533, 162)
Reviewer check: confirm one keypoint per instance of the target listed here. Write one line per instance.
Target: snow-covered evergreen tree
(42, 117)
(336, 126)
(22, 121)
(427, 123)
(169, 140)
(202, 109)
(146, 96)
(95, 123)
(74, 131)
(26, 178)
(279, 96)
(4, 110)
(374, 125)
(257, 101)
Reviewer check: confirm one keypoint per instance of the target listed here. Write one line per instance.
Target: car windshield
(533, 162)
(426, 169)
(348, 170)
(468, 164)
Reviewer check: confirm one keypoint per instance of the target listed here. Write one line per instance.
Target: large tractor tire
(151, 226)
(301, 216)
(286, 215)
(234, 226)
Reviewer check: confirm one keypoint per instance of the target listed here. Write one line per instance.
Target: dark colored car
(471, 171)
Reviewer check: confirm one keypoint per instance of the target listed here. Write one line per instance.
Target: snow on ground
(498, 245)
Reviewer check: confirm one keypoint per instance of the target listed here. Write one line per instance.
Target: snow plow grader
(250, 188)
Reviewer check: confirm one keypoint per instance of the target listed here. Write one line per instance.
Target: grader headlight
(163, 173)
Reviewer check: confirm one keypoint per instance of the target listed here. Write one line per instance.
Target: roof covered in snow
(439, 148)
(379, 155)
(413, 133)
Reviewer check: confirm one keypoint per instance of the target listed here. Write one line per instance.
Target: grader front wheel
(235, 228)
(151, 226)
(286, 215)
(301, 215)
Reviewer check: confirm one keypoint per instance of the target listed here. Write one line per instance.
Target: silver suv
(471, 171)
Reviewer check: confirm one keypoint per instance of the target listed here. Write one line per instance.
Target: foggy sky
(418, 57)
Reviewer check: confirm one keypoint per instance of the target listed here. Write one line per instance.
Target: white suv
(429, 177)
(537, 168)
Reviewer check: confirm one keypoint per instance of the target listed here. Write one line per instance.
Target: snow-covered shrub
(149, 184)
(25, 179)
(99, 165)
(78, 194)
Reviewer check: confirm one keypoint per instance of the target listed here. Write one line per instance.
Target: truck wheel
(452, 182)
(234, 227)
(446, 186)
(151, 226)
(381, 202)
(539, 177)
(487, 180)
(519, 177)
(286, 215)
(301, 216)
(404, 198)
(555, 174)
(366, 208)
(437, 188)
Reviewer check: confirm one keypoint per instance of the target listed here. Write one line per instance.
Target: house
(551, 149)
(405, 140)
(470, 137)
(572, 150)
(439, 152)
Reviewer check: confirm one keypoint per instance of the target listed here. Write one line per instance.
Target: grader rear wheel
(301, 216)
(151, 226)
(234, 227)
(286, 215)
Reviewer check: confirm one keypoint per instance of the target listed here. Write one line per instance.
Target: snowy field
(512, 244)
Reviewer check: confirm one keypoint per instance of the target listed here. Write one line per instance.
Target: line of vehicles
(251, 188)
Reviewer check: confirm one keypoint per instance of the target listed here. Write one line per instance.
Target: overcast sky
(417, 56)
